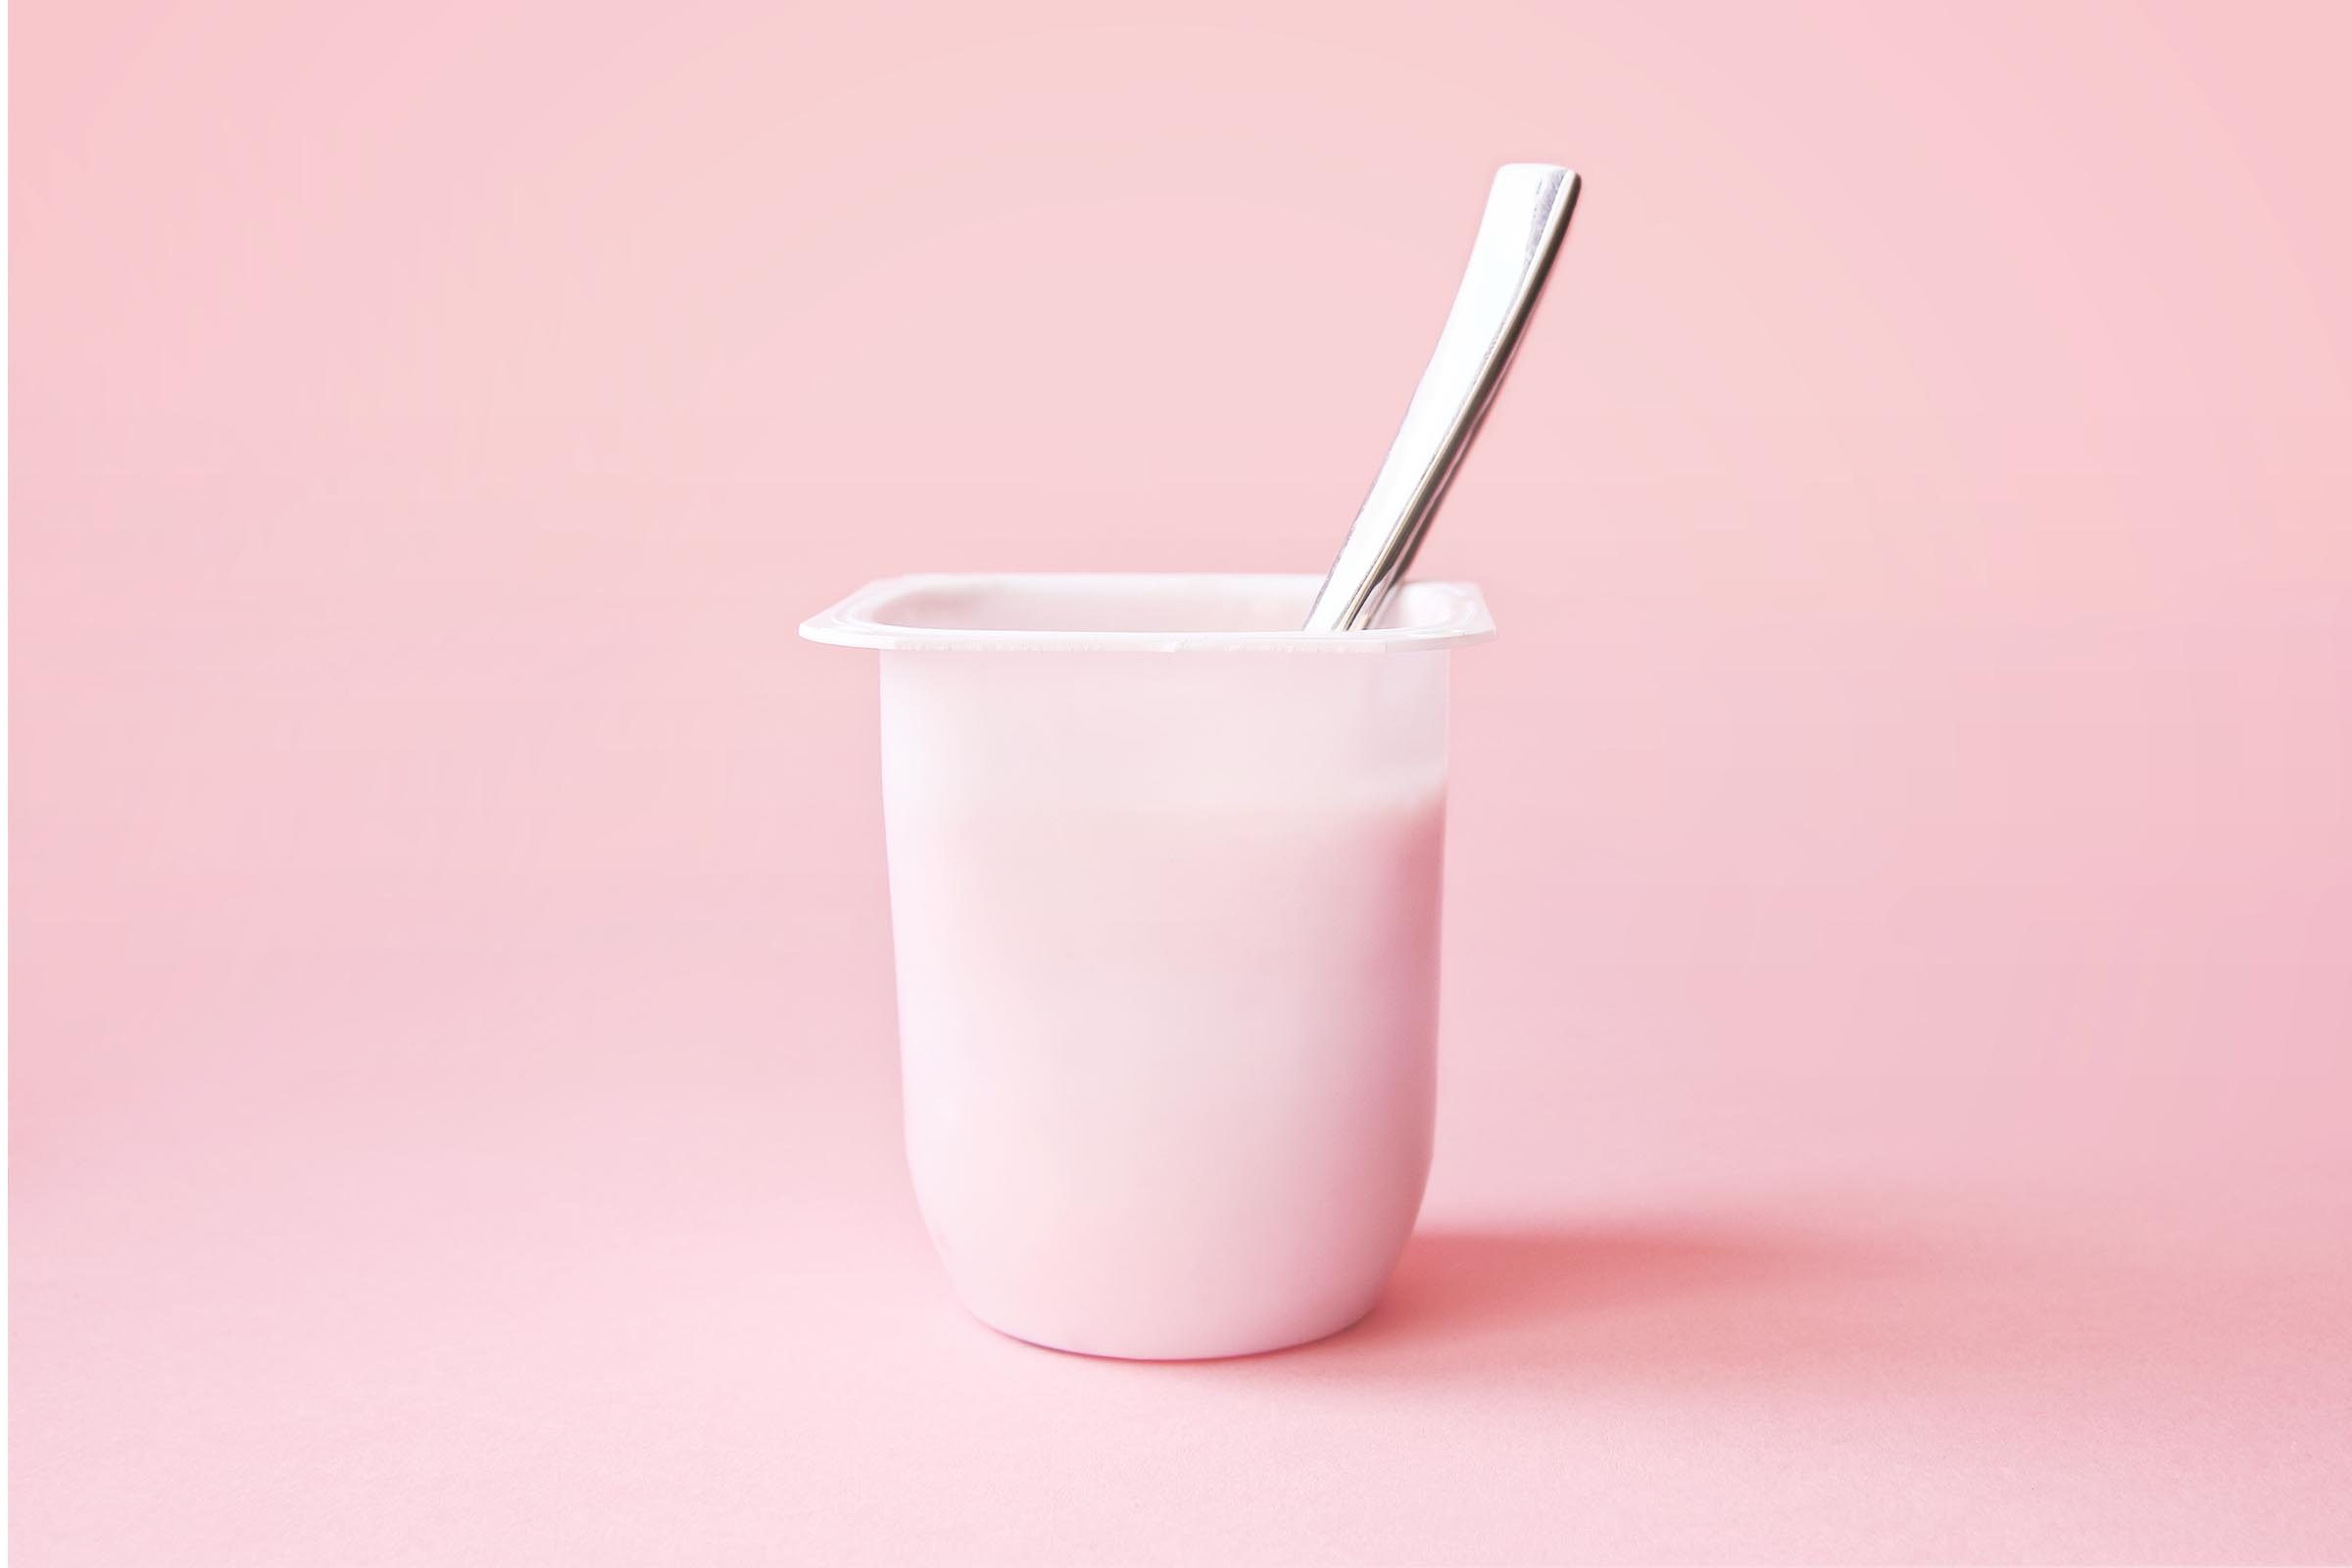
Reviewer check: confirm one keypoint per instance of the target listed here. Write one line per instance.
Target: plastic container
(1164, 883)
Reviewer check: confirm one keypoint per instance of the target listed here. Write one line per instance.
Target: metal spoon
(1526, 216)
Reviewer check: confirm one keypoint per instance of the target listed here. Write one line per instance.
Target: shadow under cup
(1164, 881)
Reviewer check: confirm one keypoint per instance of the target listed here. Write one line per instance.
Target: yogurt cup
(1164, 878)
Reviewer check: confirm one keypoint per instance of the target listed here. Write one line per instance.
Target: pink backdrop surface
(1898, 1012)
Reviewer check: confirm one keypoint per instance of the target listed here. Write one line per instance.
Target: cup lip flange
(1446, 615)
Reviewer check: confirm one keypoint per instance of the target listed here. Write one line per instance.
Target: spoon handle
(1527, 214)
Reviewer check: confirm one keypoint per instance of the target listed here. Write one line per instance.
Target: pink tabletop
(1897, 1025)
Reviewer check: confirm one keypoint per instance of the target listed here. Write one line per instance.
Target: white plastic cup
(1164, 881)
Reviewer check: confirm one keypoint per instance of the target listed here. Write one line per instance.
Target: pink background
(1899, 1012)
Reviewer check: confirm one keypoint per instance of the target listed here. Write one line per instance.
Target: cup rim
(1441, 614)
